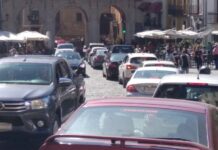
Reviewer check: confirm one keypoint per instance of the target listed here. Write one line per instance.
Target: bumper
(27, 122)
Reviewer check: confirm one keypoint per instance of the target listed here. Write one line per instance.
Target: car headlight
(82, 65)
(37, 104)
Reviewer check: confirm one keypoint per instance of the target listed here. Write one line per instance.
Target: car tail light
(197, 84)
(131, 88)
(131, 67)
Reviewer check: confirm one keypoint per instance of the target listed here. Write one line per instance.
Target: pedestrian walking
(169, 56)
(198, 58)
(215, 56)
(184, 61)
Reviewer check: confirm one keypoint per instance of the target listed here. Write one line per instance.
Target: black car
(37, 93)
(74, 59)
(111, 65)
(121, 49)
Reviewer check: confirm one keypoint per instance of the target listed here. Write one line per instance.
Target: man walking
(184, 61)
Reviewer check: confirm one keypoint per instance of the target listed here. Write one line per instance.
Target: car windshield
(208, 94)
(69, 55)
(117, 57)
(152, 74)
(140, 122)
(123, 49)
(139, 60)
(65, 46)
(26, 73)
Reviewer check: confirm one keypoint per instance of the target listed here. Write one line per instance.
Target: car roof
(65, 44)
(151, 102)
(190, 78)
(31, 59)
(158, 68)
(104, 48)
(96, 44)
(158, 62)
(131, 55)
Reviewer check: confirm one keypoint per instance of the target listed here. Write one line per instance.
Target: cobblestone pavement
(98, 87)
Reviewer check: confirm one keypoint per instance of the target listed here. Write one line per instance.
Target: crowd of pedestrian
(184, 54)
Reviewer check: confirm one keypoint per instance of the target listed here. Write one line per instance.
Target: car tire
(119, 80)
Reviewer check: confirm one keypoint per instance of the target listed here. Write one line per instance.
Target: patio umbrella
(7, 36)
(32, 36)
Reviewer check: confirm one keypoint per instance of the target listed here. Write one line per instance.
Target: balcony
(176, 11)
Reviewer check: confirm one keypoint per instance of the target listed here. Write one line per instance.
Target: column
(164, 13)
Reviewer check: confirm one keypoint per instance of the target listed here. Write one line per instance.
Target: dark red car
(138, 124)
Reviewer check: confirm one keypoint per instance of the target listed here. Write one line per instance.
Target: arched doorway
(71, 25)
(113, 26)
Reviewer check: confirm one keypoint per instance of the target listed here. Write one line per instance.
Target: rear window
(122, 49)
(117, 57)
(208, 94)
(162, 65)
(147, 74)
(139, 60)
(140, 122)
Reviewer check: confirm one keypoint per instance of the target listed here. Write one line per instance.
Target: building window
(78, 17)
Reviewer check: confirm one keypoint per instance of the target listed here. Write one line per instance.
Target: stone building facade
(80, 18)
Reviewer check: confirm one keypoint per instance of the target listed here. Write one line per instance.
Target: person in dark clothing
(198, 58)
(184, 62)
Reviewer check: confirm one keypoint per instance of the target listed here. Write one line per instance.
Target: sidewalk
(195, 71)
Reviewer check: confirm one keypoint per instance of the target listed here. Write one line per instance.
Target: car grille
(12, 106)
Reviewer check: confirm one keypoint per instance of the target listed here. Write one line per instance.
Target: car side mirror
(65, 81)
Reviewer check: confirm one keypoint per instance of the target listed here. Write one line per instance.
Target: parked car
(97, 58)
(93, 52)
(145, 80)
(130, 63)
(90, 46)
(37, 94)
(61, 50)
(202, 88)
(65, 46)
(138, 124)
(111, 64)
(121, 49)
(74, 59)
(159, 63)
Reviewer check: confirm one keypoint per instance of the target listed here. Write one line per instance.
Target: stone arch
(112, 20)
(77, 17)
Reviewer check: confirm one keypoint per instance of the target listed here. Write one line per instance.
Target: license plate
(5, 126)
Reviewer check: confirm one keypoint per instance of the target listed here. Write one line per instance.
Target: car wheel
(119, 80)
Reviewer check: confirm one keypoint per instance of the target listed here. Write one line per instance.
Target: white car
(159, 63)
(61, 50)
(202, 88)
(145, 80)
(130, 63)
(65, 46)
